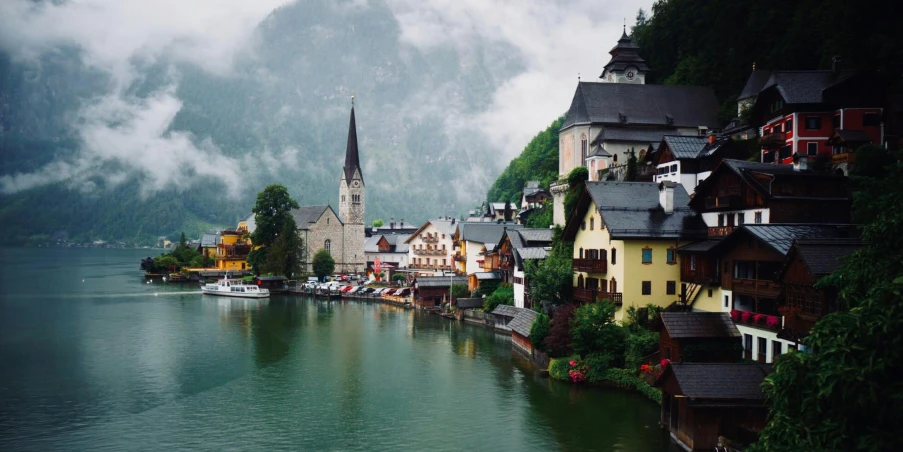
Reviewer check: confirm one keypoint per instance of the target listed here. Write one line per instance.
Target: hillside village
(716, 234)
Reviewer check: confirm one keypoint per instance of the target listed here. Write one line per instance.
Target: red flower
(665, 362)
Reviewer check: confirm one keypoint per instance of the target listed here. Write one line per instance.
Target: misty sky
(557, 41)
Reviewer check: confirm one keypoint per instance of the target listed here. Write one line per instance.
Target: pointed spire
(352, 160)
(624, 33)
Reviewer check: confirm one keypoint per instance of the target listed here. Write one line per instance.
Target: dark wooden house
(704, 401)
(519, 321)
(699, 337)
(430, 291)
(807, 262)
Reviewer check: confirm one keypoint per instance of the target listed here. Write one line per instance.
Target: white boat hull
(236, 294)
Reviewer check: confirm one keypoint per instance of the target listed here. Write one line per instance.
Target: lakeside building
(474, 241)
(626, 236)
(430, 291)
(515, 248)
(431, 248)
(341, 234)
(690, 160)
(390, 249)
(608, 119)
(233, 249)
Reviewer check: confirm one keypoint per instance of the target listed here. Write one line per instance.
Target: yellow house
(626, 236)
(232, 249)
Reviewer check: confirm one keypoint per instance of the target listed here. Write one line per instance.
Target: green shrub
(637, 346)
(459, 291)
(593, 330)
(628, 379)
(503, 295)
(598, 363)
(559, 367)
(539, 331)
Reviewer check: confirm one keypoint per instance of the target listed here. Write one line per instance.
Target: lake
(95, 358)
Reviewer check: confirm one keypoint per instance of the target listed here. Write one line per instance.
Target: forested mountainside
(280, 117)
(538, 161)
(699, 42)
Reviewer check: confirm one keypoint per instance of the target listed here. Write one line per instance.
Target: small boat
(234, 288)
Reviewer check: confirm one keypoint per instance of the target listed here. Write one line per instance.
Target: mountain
(74, 164)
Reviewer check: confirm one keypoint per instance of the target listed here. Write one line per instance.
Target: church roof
(352, 159)
(625, 54)
(642, 105)
(754, 84)
(306, 215)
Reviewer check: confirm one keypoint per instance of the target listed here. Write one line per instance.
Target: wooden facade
(749, 269)
(707, 350)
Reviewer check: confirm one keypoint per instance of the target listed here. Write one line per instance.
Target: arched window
(583, 148)
(581, 253)
(327, 245)
(614, 158)
(613, 286)
(580, 282)
(592, 223)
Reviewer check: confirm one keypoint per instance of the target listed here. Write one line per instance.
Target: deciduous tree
(323, 263)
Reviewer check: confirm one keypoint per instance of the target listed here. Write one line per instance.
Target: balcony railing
(591, 295)
(429, 239)
(460, 257)
(756, 320)
(430, 252)
(591, 265)
(723, 202)
(760, 287)
(720, 231)
(430, 267)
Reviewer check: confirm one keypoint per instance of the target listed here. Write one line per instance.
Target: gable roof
(440, 281)
(209, 240)
(487, 276)
(780, 237)
(823, 256)
(305, 216)
(632, 210)
(531, 235)
(523, 321)
(754, 84)
(505, 310)
(650, 105)
(488, 233)
(445, 226)
(687, 325)
(718, 380)
(805, 87)
(623, 55)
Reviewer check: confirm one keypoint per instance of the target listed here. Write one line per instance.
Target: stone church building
(621, 113)
(340, 233)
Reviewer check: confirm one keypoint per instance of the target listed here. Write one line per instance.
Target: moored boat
(234, 288)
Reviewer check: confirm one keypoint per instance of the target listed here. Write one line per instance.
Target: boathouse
(699, 337)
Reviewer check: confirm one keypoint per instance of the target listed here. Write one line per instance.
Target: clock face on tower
(355, 184)
(629, 75)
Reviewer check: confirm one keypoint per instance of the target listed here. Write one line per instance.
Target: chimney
(453, 220)
(835, 64)
(800, 162)
(392, 223)
(712, 137)
(666, 196)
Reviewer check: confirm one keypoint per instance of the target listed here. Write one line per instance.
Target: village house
(699, 337)
(474, 240)
(392, 227)
(515, 248)
(233, 249)
(626, 236)
(702, 402)
(518, 321)
(690, 160)
(432, 291)
(390, 249)
(824, 114)
(620, 114)
(534, 195)
(806, 263)
(432, 247)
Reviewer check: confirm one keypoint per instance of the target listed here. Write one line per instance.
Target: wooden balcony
(724, 202)
(430, 252)
(721, 231)
(845, 157)
(428, 239)
(756, 287)
(591, 295)
(460, 257)
(590, 265)
(239, 251)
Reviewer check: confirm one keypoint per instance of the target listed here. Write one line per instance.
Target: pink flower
(573, 363)
(665, 362)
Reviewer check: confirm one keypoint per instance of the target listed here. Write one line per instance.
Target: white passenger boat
(234, 288)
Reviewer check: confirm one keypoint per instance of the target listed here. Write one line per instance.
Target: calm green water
(94, 358)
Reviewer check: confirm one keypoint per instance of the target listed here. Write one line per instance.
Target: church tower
(351, 202)
(626, 65)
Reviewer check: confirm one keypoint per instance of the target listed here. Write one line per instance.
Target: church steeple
(352, 159)
(626, 65)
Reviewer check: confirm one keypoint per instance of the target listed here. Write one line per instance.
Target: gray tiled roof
(306, 215)
(209, 240)
(685, 147)
(804, 87)
(721, 381)
(632, 134)
(447, 227)
(505, 310)
(624, 55)
(854, 136)
(684, 325)
(823, 256)
(781, 236)
(440, 281)
(533, 253)
(523, 321)
(486, 232)
(754, 84)
(487, 276)
(598, 151)
(699, 247)
(396, 243)
(536, 235)
(371, 244)
(609, 103)
(632, 209)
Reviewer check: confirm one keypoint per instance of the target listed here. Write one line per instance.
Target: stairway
(692, 292)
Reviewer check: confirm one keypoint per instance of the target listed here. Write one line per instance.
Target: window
(747, 346)
(741, 218)
(758, 217)
(777, 349)
(692, 262)
(672, 256)
(812, 148)
(813, 123)
(592, 223)
(762, 350)
(647, 287)
(720, 219)
(710, 293)
(835, 123)
(647, 255)
(745, 270)
(581, 253)
(727, 301)
(671, 288)
(583, 148)
(343, 198)
(614, 256)
(777, 128)
(788, 126)
(674, 168)
(327, 245)
(583, 226)
(871, 119)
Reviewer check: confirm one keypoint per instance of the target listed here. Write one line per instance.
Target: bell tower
(351, 203)
(626, 65)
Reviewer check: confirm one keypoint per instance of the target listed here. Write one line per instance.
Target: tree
(508, 212)
(844, 393)
(272, 215)
(183, 242)
(630, 176)
(286, 253)
(539, 331)
(323, 263)
(541, 217)
(576, 184)
(593, 330)
(459, 291)
(552, 279)
(558, 342)
(378, 223)
(504, 294)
